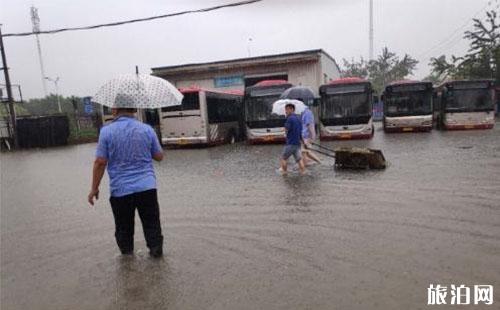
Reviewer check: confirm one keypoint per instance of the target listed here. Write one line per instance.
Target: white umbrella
(279, 106)
(138, 91)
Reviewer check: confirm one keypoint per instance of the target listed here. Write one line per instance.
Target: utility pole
(9, 92)
(370, 53)
(249, 42)
(35, 20)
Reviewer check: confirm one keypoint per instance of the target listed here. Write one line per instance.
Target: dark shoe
(156, 252)
(127, 251)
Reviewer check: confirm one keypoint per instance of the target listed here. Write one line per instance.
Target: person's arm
(158, 156)
(97, 174)
(100, 163)
(156, 149)
(312, 131)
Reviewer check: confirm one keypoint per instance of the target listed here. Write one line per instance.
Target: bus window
(191, 101)
(222, 109)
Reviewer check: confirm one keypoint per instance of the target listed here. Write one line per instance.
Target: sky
(83, 60)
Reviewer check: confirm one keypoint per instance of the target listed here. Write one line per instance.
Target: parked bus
(346, 109)
(466, 105)
(261, 125)
(205, 117)
(497, 100)
(408, 106)
(107, 115)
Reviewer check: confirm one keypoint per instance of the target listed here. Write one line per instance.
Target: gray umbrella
(302, 93)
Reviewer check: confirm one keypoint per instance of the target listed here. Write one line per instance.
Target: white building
(308, 68)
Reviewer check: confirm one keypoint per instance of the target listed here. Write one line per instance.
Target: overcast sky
(85, 59)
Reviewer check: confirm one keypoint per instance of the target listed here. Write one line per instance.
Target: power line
(24, 34)
(452, 36)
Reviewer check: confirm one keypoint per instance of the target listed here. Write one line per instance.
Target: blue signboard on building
(225, 81)
(87, 105)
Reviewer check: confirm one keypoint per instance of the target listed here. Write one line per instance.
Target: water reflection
(240, 236)
(142, 283)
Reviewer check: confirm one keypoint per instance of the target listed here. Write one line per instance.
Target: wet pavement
(240, 236)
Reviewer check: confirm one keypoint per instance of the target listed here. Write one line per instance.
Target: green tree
(48, 105)
(355, 68)
(441, 69)
(482, 60)
(388, 67)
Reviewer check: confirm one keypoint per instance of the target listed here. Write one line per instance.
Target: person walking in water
(293, 128)
(127, 147)
(308, 136)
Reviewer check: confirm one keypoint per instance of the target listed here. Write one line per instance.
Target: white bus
(107, 115)
(261, 125)
(205, 117)
(466, 105)
(346, 109)
(408, 106)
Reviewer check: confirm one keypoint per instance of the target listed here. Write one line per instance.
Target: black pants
(124, 212)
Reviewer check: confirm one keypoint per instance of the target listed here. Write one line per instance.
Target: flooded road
(240, 236)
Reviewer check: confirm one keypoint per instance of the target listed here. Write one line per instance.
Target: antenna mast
(370, 53)
(35, 20)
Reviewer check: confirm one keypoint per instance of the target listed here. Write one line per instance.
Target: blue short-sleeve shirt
(293, 129)
(128, 145)
(307, 121)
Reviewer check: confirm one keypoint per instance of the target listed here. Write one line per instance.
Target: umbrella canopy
(302, 93)
(138, 91)
(279, 106)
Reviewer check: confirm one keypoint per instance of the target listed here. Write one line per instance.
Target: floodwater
(240, 236)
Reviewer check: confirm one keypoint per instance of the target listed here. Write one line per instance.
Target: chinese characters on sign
(225, 81)
(87, 104)
(459, 295)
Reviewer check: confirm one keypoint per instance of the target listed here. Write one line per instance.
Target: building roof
(406, 82)
(195, 89)
(223, 64)
(348, 80)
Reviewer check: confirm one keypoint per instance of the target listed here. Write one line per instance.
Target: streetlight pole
(9, 92)
(57, 91)
(248, 46)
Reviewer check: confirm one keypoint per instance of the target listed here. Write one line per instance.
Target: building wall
(329, 70)
(304, 73)
(206, 79)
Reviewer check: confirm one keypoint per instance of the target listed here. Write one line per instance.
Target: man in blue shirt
(127, 147)
(293, 128)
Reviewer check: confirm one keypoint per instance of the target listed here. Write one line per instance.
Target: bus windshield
(408, 103)
(346, 105)
(259, 105)
(191, 101)
(258, 112)
(469, 100)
